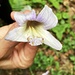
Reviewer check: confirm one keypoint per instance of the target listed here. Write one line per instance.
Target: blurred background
(57, 62)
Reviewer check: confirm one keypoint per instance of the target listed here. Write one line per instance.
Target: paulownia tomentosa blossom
(33, 28)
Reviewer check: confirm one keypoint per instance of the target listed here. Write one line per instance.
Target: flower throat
(33, 24)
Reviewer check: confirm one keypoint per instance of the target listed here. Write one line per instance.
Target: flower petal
(31, 15)
(22, 18)
(16, 34)
(47, 17)
(49, 39)
(19, 18)
(35, 41)
(46, 73)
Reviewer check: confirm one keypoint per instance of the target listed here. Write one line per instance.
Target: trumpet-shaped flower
(33, 28)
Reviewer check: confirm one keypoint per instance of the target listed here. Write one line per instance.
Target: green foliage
(43, 2)
(42, 61)
(68, 41)
(55, 3)
(74, 17)
(59, 30)
(72, 58)
(65, 15)
(59, 15)
(74, 68)
(63, 24)
(57, 65)
(53, 72)
(62, 15)
(19, 4)
(59, 72)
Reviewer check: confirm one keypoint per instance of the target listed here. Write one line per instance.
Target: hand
(14, 54)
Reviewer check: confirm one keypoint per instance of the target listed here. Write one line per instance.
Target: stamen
(29, 38)
(35, 41)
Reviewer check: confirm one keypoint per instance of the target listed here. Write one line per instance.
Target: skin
(15, 54)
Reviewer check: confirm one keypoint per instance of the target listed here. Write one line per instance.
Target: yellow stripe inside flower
(32, 34)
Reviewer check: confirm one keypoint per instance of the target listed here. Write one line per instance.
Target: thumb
(4, 44)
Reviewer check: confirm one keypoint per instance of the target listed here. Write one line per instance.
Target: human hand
(14, 54)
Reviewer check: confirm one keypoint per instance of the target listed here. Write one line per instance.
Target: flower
(33, 28)
(46, 73)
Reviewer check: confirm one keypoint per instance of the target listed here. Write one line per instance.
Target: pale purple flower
(33, 28)
(46, 73)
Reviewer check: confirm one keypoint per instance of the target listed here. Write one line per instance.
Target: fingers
(21, 59)
(30, 51)
(5, 46)
(12, 14)
(7, 64)
(24, 58)
(4, 30)
(27, 55)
